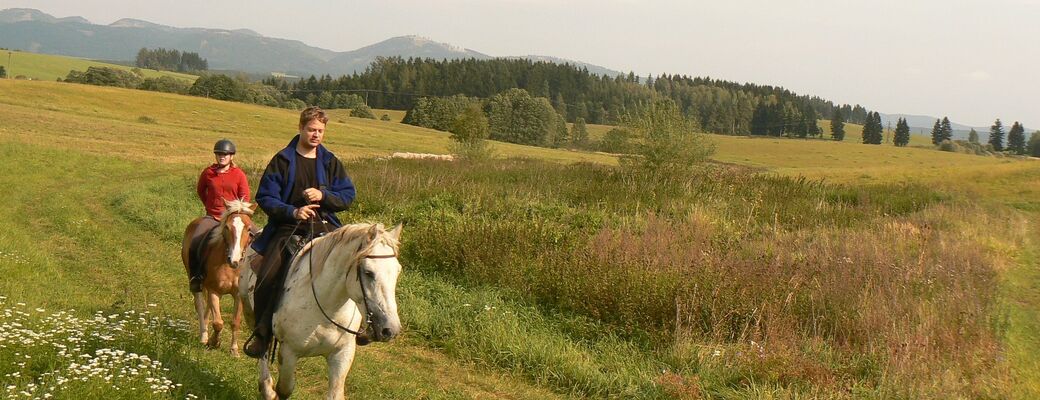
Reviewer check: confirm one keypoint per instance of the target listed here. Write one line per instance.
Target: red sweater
(215, 187)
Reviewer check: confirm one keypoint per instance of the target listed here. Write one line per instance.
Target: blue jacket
(277, 182)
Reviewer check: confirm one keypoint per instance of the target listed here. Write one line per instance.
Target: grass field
(510, 266)
(46, 67)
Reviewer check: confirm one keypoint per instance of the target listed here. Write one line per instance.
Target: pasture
(793, 269)
(46, 67)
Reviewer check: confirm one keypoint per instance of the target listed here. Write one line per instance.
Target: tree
(946, 130)
(873, 132)
(838, 125)
(902, 136)
(937, 132)
(1034, 144)
(104, 76)
(1016, 142)
(3, 72)
(670, 143)
(579, 133)
(516, 117)
(470, 132)
(973, 137)
(996, 135)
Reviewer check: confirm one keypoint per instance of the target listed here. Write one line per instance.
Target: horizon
(813, 54)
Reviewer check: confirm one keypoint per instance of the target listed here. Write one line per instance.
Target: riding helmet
(224, 146)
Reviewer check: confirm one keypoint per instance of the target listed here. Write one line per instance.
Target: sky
(973, 61)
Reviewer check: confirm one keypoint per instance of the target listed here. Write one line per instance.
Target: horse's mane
(321, 248)
(237, 206)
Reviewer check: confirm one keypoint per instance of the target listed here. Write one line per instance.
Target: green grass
(48, 67)
(730, 288)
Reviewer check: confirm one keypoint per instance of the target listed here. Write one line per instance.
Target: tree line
(717, 106)
(170, 60)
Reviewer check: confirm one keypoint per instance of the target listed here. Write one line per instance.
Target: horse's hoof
(235, 353)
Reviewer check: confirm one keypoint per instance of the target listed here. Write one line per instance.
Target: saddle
(197, 252)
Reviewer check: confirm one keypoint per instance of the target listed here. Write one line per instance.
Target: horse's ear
(252, 206)
(373, 231)
(226, 203)
(396, 232)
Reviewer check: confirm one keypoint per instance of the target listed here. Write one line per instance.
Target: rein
(364, 295)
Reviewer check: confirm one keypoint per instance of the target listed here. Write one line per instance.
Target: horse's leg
(201, 312)
(217, 319)
(236, 322)
(286, 372)
(266, 383)
(339, 365)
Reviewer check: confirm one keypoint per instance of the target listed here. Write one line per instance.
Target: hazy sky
(971, 60)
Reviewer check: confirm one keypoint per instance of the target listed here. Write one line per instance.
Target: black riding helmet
(224, 146)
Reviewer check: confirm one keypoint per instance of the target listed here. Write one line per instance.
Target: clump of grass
(144, 119)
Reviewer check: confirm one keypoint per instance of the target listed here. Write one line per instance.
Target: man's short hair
(312, 113)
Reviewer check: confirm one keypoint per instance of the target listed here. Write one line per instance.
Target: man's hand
(306, 212)
(313, 195)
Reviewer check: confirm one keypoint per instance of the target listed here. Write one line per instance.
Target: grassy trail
(1022, 286)
(63, 227)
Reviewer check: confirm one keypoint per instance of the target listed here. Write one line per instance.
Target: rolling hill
(225, 49)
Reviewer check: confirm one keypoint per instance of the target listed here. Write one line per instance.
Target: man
(304, 185)
(218, 182)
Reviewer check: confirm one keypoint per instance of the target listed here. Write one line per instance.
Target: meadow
(787, 269)
(48, 67)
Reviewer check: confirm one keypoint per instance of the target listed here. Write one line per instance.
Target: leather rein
(364, 295)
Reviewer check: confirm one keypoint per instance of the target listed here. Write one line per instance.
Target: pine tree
(937, 132)
(1017, 139)
(902, 136)
(1034, 144)
(838, 125)
(996, 135)
(946, 130)
(973, 137)
(872, 129)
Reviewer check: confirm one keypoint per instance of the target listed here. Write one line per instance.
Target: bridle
(364, 295)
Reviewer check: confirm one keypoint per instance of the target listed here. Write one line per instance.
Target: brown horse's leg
(200, 311)
(236, 321)
(218, 320)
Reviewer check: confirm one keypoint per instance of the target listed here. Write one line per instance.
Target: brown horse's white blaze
(224, 250)
(239, 240)
(349, 273)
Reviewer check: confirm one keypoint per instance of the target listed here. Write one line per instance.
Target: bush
(516, 117)
(469, 134)
(220, 87)
(104, 76)
(615, 141)
(670, 141)
(385, 117)
(950, 146)
(362, 111)
(166, 84)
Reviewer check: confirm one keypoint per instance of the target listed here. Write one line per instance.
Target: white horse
(352, 273)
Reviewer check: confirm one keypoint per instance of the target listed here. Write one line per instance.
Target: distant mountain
(924, 123)
(404, 46)
(239, 49)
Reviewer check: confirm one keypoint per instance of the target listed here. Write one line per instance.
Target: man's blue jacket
(276, 184)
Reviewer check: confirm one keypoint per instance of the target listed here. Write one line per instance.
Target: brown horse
(223, 253)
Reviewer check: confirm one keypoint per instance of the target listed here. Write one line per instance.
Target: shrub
(385, 117)
(362, 111)
(670, 141)
(104, 76)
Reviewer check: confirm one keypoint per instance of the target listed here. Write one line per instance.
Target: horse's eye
(370, 275)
